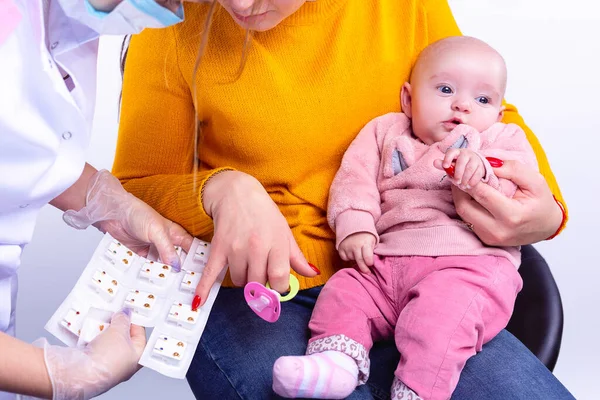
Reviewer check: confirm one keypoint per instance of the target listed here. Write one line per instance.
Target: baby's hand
(359, 247)
(464, 166)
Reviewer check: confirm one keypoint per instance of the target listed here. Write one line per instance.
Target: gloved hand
(128, 219)
(111, 358)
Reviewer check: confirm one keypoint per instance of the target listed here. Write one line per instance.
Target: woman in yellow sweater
(272, 139)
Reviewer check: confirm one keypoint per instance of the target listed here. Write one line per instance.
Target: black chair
(537, 320)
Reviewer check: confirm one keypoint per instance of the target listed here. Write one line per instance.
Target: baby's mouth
(452, 123)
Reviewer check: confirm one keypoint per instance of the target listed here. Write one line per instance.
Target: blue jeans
(235, 357)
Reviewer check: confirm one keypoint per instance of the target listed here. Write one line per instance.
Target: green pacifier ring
(294, 288)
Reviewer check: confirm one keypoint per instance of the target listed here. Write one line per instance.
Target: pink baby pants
(440, 310)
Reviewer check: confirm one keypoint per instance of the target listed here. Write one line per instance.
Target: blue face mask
(130, 16)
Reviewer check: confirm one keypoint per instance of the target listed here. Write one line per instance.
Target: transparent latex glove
(110, 208)
(111, 358)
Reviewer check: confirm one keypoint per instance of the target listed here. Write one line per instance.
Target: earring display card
(158, 297)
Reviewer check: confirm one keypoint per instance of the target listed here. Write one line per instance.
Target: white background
(552, 50)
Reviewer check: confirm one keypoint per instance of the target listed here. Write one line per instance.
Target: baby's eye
(445, 89)
(483, 100)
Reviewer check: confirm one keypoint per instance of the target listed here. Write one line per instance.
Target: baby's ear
(501, 114)
(406, 99)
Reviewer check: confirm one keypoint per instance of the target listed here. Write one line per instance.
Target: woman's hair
(123, 59)
(198, 122)
(201, 50)
(212, 10)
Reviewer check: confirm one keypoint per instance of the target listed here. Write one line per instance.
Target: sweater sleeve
(439, 21)
(354, 200)
(155, 149)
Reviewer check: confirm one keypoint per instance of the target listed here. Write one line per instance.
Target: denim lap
(235, 357)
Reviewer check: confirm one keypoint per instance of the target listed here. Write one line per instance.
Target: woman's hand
(142, 226)
(111, 358)
(530, 216)
(250, 235)
(128, 219)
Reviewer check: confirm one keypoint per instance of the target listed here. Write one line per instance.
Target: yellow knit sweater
(308, 87)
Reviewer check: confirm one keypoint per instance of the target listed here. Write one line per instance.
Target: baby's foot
(402, 392)
(326, 375)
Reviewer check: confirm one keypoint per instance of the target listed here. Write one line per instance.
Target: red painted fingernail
(495, 162)
(315, 269)
(450, 171)
(196, 303)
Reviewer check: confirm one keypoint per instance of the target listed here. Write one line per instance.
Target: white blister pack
(159, 297)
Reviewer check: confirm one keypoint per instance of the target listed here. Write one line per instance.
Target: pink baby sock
(402, 392)
(326, 375)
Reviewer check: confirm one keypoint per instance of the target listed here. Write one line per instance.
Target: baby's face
(463, 85)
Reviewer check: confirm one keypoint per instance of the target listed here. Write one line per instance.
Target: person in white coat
(48, 54)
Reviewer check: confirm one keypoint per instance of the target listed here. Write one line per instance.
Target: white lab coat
(45, 126)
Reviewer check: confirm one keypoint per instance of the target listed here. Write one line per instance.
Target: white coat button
(24, 206)
(54, 45)
(67, 135)
(51, 63)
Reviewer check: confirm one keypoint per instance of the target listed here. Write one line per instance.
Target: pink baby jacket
(387, 185)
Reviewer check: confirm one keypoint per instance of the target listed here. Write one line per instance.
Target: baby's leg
(449, 315)
(351, 310)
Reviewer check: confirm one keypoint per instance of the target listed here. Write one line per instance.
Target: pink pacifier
(266, 302)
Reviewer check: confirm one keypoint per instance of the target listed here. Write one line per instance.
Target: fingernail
(450, 171)
(176, 264)
(314, 269)
(127, 311)
(495, 162)
(196, 303)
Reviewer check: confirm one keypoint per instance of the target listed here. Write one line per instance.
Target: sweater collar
(312, 11)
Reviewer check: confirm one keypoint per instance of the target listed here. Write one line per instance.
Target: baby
(423, 276)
